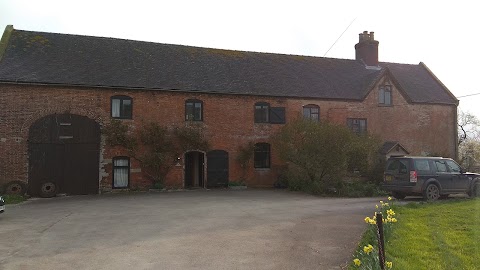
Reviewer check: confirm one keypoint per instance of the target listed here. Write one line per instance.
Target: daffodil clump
(367, 257)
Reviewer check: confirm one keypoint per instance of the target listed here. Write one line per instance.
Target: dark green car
(430, 177)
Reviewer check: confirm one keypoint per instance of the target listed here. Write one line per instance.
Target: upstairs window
(121, 107)
(385, 95)
(266, 114)
(311, 112)
(261, 155)
(262, 114)
(357, 125)
(121, 172)
(193, 110)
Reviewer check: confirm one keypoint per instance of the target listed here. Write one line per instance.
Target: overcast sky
(442, 34)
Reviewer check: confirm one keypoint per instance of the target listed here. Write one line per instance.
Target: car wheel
(475, 190)
(398, 195)
(16, 188)
(431, 192)
(48, 189)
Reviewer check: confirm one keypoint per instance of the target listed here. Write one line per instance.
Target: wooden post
(381, 240)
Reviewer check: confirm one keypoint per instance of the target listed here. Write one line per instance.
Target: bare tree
(468, 127)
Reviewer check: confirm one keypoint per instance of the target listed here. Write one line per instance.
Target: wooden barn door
(217, 168)
(63, 155)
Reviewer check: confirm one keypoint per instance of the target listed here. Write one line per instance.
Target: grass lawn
(13, 199)
(440, 235)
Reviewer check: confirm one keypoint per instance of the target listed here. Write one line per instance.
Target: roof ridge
(183, 45)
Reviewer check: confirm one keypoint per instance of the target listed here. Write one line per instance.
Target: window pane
(198, 112)
(120, 162)
(441, 167)
(381, 96)
(422, 165)
(261, 113)
(311, 112)
(189, 111)
(120, 177)
(306, 113)
(115, 107)
(262, 155)
(120, 172)
(126, 108)
(363, 125)
(453, 166)
(388, 98)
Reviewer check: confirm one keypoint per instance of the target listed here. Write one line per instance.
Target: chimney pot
(367, 49)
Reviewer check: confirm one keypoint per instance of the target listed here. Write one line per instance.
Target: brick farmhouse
(58, 91)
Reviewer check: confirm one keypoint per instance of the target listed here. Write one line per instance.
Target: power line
(339, 37)
(469, 95)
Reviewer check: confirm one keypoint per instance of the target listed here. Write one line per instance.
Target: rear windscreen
(397, 166)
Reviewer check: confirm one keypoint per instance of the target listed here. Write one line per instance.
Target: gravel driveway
(216, 229)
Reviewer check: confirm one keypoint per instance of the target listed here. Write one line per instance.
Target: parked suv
(430, 177)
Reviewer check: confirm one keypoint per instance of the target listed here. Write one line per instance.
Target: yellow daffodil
(389, 264)
(389, 198)
(394, 220)
(367, 220)
(381, 202)
(390, 212)
(357, 262)
(376, 206)
(368, 249)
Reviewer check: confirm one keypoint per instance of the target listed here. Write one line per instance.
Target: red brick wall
(228, 123)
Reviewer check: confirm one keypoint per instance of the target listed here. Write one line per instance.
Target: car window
(397, 166)
(441, 167)
(453, 166)
(422, 165)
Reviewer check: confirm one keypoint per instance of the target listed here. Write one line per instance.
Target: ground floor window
(262, 155)
(121, 172)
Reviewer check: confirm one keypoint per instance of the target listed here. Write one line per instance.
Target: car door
(459, 182)
(443, 175)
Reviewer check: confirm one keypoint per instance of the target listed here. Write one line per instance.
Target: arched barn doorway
(63, 154)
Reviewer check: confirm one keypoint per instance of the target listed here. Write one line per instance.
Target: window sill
(120, 118)
(262, 169)
(383, 105)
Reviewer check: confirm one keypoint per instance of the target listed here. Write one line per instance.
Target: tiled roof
(389, 145)
(50, 58)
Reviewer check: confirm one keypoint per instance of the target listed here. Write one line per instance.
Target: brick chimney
(367, 49)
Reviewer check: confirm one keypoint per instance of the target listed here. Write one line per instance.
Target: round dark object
(48, 189)
(15, 188)
(431, 192)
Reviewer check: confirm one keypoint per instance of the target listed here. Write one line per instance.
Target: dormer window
(385, 95)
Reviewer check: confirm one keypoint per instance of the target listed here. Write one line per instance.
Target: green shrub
(13, 199)
(319, 155)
